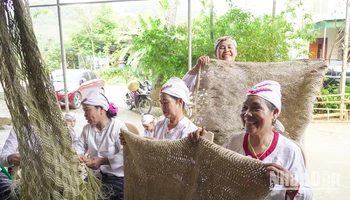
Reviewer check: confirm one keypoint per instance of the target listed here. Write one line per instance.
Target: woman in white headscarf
(225, 48)
(174, 96)
(99, 147)
(74, 130)
(148, 122)
(283, 158)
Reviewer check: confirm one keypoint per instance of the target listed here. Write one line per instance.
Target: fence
(332, 113)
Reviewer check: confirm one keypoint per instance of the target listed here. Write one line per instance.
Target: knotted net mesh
(223, 86)
(48, 162)
(180, 169)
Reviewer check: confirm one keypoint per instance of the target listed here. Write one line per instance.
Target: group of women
(283, 158)
(101, 149)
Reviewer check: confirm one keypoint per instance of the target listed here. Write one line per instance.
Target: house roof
(329, 23)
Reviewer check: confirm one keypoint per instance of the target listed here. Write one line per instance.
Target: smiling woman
(225, 48)
(282, 158)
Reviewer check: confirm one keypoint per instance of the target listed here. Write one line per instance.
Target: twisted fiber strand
(180, 169)
(49, 163)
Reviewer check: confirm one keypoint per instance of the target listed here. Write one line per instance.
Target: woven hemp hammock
(223, 86)
(48, 162)
(180, 169)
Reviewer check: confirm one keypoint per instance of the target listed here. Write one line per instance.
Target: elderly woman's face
(92, 114)
(226, 51)
(256, 116)
(170, 107)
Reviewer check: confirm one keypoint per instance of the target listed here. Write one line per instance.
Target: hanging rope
(49, 164)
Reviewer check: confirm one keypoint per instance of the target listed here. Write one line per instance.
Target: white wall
(328, 9)
(331, 35)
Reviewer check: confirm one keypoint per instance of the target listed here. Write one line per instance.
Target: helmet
(133, 85)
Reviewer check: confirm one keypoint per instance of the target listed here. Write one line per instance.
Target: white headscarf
(69, 115)
(95, 98)
(219, 40)
(147, 118)
(176, 87)
(271, 92)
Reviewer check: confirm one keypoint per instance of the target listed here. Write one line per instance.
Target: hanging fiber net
(223, 86)
(180, 169)
(49, 165)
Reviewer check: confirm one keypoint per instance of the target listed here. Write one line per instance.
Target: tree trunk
(170, 15)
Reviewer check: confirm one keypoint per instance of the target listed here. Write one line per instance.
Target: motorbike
(140, 98)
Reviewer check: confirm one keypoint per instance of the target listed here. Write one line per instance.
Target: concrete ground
(326, 146)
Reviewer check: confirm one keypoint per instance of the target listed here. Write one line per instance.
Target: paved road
(327, 147)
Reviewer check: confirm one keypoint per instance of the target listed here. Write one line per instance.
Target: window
(93, 75)
(86, 76)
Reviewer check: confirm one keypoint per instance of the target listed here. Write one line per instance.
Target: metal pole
(345, 58)
(63, 56)
(324, 41)
(189, 36)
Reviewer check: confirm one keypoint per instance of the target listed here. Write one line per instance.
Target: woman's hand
(122, 139)
(95, 162)
(201, 62)
(84, 158)
(282, 176)
(194, 136)
(14, 159)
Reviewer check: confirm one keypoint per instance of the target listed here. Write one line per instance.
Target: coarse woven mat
(223, 87)
(181, 169)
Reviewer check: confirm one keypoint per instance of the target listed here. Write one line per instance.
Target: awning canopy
(330, 23)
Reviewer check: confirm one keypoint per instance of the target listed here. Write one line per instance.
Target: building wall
(328, 9)
(331, 34)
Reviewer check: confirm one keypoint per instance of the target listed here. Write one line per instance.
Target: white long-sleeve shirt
(183, 128)
(282, 151)
(104, 144)
(190, 81)
(10, 147)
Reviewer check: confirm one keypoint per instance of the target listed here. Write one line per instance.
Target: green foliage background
(157, 52)
(260, 39)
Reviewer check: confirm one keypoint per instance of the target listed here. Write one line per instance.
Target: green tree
(51, 53)
(98, 32)
(260, 39)
(164, 50)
